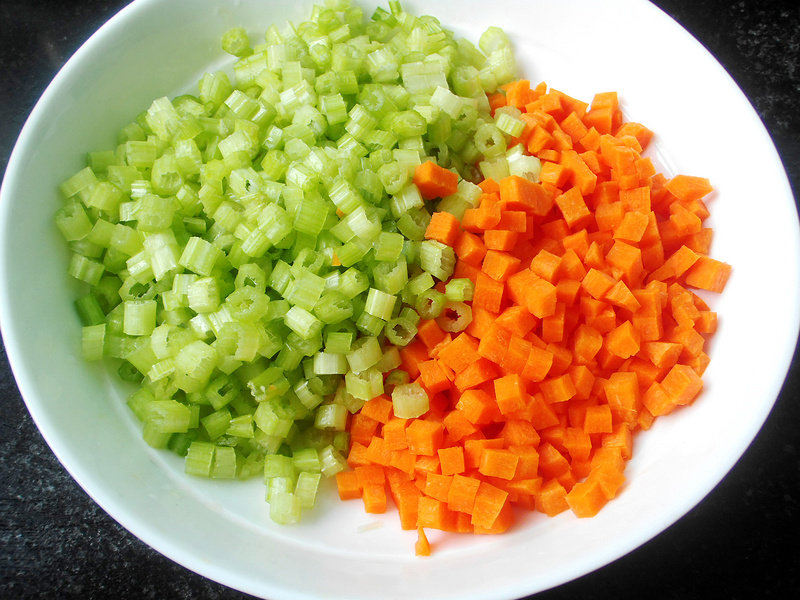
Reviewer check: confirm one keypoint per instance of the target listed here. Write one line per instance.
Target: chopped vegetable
(583, 325)
(255, 252)
(371, 248)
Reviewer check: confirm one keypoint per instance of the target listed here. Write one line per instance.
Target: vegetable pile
(374, 254)
(254, 253)
(583, 328)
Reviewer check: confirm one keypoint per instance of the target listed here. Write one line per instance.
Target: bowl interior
(222, 530)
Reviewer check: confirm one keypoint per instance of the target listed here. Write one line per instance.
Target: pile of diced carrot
(584, 330)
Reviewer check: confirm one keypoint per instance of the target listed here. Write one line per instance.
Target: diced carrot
(558, 389)
(598, 419)
(622, 394)
(639, 131)
(500, 265)
(519, 93)
(470, 248)
(510, 394)
(430, 334)
(587, 342)
(347, 485)
(494, 343)
(552, 498)
(357, 455)
(379, 408)
(437, 486)
(464, 270)
(684, 221)
(394, 434)
(594, 257)
(478, 407)
(620, 438)
(496, 100)
(451, 460)
(574, 127)
(567, 291)
(424, 437)
(578, 443)
(623, 341)
(433, 376)
(422, 546)
(497, 462)
(553, 326)
(546, 265)
(370, 475)
(513, 220)
(363, 428)
(590, 141)
(499, 239)
(609, 480)
(586, 498)
(583, 379)
(377, 453)
(473, 449)
(706, 322)
(488, 293)
(608, 215)
(601, 119)
(462, 493)
(597, 283)
(657, 401)
(699, 363)
(516, 319)
(573, 208)
(541, 298)
(708, 274)
(627, 259)
(516, 355)
(434, 181)
(620, 295)
(457, 426)
(434, 513)
(459, 353)
(411, 355)
(682, 384)
(662, 354)
(427, 464)
(582, 177)
(406, 497)
(519, 432)
(518, 286)
(489, 213)
(632, 227)
(481, 371)
(374, 497)
(489, 186)
(443, 227)
(554, 174)
(539, 140)
(519, 193)
(687, 187)
(489, 502)
(538, 364)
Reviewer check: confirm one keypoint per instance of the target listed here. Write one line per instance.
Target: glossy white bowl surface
(666, 80)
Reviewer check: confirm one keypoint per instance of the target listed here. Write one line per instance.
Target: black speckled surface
(740, 542)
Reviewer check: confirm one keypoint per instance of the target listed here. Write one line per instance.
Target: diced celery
(409, 401)
(256, 254)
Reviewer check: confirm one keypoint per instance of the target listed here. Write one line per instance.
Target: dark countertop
(739, 542)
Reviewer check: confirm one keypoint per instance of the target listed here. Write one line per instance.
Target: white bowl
(221, 530)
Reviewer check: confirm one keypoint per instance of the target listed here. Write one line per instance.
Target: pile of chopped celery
(253, 254)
